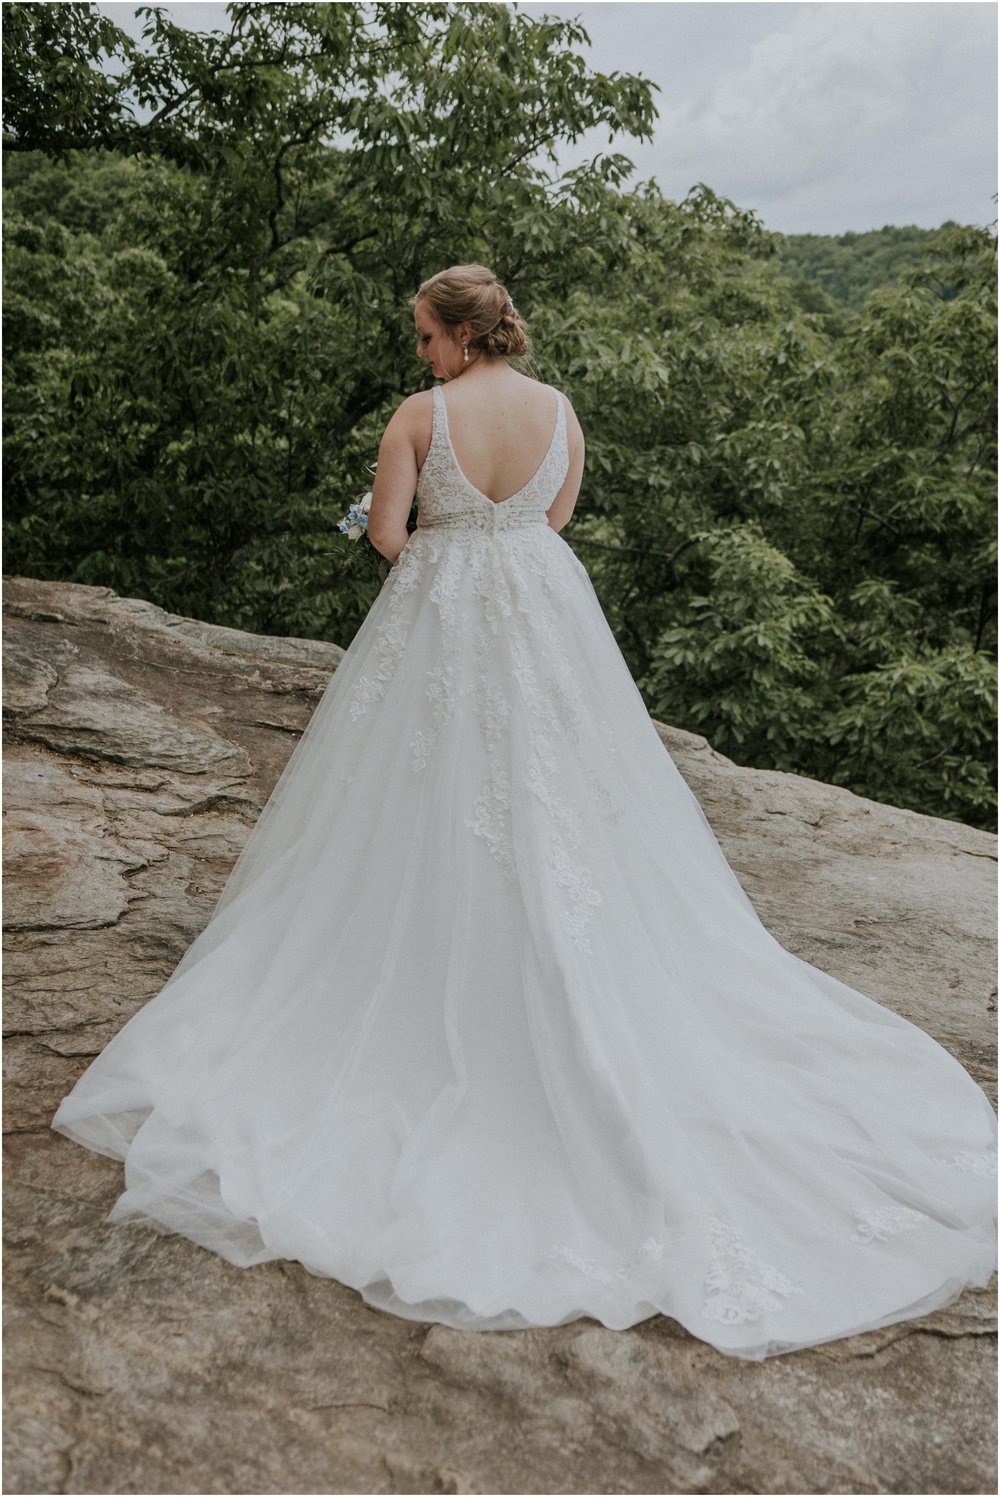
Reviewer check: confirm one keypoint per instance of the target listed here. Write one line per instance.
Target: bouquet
(355, 523)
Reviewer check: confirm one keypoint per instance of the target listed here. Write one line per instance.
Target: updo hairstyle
(471, 293)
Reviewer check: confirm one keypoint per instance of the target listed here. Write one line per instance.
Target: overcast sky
(821, 116)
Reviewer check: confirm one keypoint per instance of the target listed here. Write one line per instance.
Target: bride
(483, 1025)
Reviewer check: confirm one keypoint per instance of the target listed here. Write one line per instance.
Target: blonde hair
(472, 293)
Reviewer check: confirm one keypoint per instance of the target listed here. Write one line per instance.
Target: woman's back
(501, 426)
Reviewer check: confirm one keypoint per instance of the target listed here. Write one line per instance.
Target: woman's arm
(396, 477)
(563, 504)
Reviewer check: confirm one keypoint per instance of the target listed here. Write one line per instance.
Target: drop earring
(465, 352)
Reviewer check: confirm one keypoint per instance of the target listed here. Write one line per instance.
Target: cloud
(858, 104)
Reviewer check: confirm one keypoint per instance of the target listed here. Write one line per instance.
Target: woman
(496, 417)
(483, 1024)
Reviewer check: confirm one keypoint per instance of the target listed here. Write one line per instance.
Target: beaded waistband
(482, 521)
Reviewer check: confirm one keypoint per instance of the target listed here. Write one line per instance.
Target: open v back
(458, 465)
(445, 493)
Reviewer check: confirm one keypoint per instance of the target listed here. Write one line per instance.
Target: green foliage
(927, 721)
(56, 94)
(794, 525)
(741, 661)
(788, 505)
(832, 272)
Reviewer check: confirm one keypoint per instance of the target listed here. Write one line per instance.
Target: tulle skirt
(484, 1026)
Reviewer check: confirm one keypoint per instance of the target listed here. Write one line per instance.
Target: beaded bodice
(446, 498)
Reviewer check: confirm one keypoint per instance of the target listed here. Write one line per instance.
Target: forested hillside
(787, 510)
(848, 267)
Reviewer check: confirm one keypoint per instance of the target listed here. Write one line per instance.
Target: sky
(822, 117)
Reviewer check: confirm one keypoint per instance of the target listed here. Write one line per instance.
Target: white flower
(355, 523)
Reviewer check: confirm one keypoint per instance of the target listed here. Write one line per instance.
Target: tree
(199, 431)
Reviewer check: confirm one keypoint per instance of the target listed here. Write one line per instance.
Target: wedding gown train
(484, 1026)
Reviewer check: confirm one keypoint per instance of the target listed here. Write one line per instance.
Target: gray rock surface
(140, 748)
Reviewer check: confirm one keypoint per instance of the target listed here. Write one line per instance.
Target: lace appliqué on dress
(650, 1251)
(983, 1165)
(442, 692)
(738, 1285)
(575, 878)
(492, 818)
(885, 1222)
(391, 640)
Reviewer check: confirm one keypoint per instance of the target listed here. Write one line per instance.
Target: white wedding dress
(484, 1026)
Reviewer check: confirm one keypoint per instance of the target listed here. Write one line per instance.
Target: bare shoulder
(411, 415)
(416, 407)
(538, 384)
(556, 391)
(573, 427)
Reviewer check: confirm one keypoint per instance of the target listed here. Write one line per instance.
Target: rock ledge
(140, 747)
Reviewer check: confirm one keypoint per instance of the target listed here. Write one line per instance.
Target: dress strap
(439, 422)
(560, 438)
